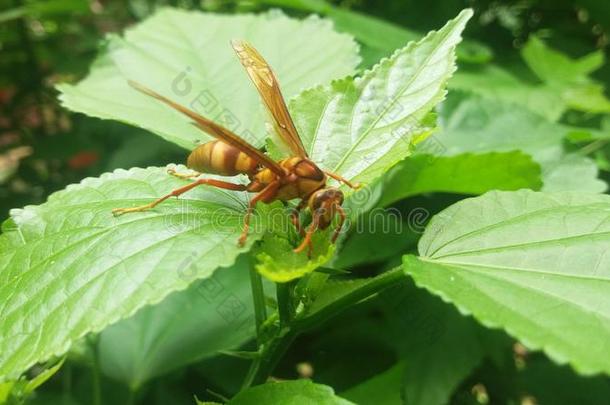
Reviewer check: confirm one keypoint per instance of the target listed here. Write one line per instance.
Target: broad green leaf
(91, 269)
(464, 174)
(211, 315)
(534, 264)
(361, 127)
(472, 124)
(295, 392)
(187, 57)
(437, 345)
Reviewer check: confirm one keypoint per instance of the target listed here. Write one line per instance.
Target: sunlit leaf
(91, 269)
(360, 127)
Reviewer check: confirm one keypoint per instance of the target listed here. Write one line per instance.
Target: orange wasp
(229, 155)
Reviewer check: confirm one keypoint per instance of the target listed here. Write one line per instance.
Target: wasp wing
(215, 130)
(269, 89)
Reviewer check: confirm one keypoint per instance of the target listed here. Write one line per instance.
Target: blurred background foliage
(544, 59)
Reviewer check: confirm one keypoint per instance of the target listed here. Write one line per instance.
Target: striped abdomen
(217, 157)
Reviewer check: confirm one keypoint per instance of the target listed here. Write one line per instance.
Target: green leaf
(570, 76)
(296, 392)
(464, 174)
(91, 269)
(497, 84)
(212, 315)
(573, 172)
(438, 346)
(187, 56)
(472, 124)
(361, 127)
(534, 264)
(278, 262)
(553, 66)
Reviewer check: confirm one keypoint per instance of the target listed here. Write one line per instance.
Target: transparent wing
(268, 87)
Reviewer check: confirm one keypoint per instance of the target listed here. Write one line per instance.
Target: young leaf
(534, 264)
(187, 56)
(91, 269)
(361, 127)
(294, 392)
(569, 76)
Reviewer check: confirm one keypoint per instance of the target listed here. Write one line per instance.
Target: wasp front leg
(266, 194)
(175, 193)
(294, 217)
(307, 243)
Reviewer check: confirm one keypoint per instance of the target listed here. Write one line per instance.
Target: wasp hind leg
(175, 193)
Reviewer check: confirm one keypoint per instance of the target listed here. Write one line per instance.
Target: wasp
(295, 177)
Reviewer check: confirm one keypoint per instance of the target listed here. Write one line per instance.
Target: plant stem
(263, 366)
(272, 350)
(258, 296)
(374, 286)
(284, 303)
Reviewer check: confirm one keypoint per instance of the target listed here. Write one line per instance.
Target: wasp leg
(265, 195)
(348, 183)
(181, 190)
(306, 243)
(184, 176)
(342, 216)
(294, 217)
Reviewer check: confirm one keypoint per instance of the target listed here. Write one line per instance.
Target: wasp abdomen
(217, 157)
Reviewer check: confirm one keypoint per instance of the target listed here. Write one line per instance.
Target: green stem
(272, 351)
(263, 366)
(258, 296)
(374, 286)
(284, 303)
